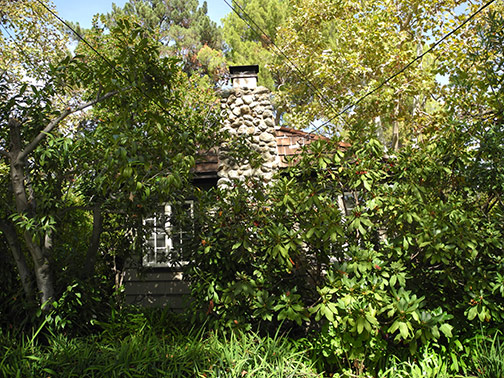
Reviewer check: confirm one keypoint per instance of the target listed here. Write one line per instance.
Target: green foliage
(247, 44)
(184, 29)
(71, 176)
(488, 356)
(391, 272)
(27, 27)
(347, 48)
(146, 353)
(80, 306)
(430, 364)
(414, 260)
(288, 253)
(131, 320)
(369, 255)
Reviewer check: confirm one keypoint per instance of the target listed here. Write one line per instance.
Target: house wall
(247, 112)
(156, 287)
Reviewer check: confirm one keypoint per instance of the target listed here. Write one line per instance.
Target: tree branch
(4, 153)
(51, 125)
(9, 231)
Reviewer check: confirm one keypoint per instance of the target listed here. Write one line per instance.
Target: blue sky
(82, 11)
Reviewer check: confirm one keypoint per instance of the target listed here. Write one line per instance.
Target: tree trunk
(40, 259)
(24, 273)
(395, 128)
(379, 130)
(42, 266)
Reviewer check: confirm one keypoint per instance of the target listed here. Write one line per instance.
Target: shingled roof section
(207, 163)
(289, 143)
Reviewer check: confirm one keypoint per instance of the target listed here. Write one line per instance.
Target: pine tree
(183, 27)
(251, 41)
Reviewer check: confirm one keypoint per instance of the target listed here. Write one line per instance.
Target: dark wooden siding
(156, 287)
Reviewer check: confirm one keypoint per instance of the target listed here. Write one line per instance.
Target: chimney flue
(244, 76)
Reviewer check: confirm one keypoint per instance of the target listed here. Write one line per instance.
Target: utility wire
(109, 63)
(300, 73)
(393, 76)
(404, 68)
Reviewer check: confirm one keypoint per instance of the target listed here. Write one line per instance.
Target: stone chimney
(248, 113)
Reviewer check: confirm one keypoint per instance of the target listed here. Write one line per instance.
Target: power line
(404, 68)
(300, 73)
(315, 89)
(109, 63)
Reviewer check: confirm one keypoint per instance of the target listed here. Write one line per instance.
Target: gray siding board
(176, 303)
(156, 288)
(152, 275)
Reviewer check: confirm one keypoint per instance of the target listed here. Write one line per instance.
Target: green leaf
(472, 313)
(371, 319)
(310, 233)
(446, 329)
(405, 243)
(415, 316)
(366, 183)
(394, 325)
(360, 324)
(413, 347)
(327, 313)
(403, 330)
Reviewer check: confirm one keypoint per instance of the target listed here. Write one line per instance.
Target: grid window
(168, 231)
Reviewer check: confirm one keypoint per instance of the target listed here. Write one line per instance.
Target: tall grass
(156, 343)
(489, 356)
(430, 365)
(151, 355)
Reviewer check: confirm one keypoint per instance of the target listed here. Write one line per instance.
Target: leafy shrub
(132, 320)
(416, 253)
(77, 309)
(290, 253)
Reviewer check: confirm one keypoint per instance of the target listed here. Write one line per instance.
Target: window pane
(167, 232)
(160, 241)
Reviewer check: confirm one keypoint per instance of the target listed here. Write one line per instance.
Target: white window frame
(161, 254)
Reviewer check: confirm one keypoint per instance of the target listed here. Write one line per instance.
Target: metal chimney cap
(244, 70)
(244, 76)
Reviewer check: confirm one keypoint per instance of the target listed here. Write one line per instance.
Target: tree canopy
(112, 130)
(250, 31)
(183, 28)
(29, 40)
(346, 49)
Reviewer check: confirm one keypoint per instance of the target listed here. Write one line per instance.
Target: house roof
(289, 143)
